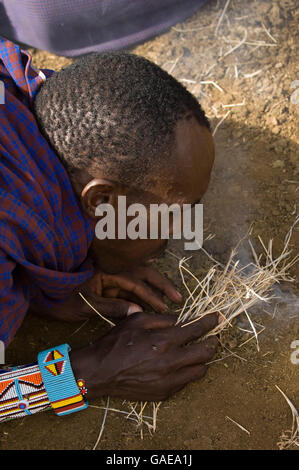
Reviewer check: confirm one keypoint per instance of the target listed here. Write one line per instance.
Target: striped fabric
(44, 234)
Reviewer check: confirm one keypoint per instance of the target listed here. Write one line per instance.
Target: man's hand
(145, 357)
(144, 285)
(115, 296)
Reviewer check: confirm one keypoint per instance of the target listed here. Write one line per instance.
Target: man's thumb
(117, 308)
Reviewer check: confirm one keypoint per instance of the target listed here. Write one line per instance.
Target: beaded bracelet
(22, 392)
(64, 392)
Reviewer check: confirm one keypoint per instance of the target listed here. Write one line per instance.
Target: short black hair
(116, 108)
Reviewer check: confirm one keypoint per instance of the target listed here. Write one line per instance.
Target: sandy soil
(251, 58)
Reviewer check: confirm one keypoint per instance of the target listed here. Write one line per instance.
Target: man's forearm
(71, 309)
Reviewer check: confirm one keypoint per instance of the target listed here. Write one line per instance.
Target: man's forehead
(186, 180)
(195, 156)
(184, 176)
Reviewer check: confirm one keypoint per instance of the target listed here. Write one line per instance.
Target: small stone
(275, 130)
(278, 164)
(232, 343)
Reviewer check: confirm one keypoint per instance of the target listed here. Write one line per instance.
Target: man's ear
(97, 191)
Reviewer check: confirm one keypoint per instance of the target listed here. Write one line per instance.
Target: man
(109, 125)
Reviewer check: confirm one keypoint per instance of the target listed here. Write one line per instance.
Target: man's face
(185, 182)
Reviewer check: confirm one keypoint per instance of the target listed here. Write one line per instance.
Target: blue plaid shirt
(44, 235)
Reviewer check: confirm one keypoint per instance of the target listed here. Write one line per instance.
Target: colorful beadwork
(82, 386)
(62, 389)
(22, 392)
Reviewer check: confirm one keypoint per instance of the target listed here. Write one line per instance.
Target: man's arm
(145, 357)
(22, 391)
(14, 298)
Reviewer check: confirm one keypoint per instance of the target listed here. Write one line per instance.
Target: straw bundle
(232, 289)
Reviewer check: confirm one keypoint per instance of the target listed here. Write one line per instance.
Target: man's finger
(152, 276)
(151, 322)
(112, 293)
(184, 334)
(199, 353)
(116, 292)
(139, 288)
(116, 308)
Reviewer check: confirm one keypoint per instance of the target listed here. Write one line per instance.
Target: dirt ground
(249, 54)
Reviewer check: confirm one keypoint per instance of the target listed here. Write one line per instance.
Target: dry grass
(290, 438)
(232, 289)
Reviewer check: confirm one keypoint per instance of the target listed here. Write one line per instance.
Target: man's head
(123, 126)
